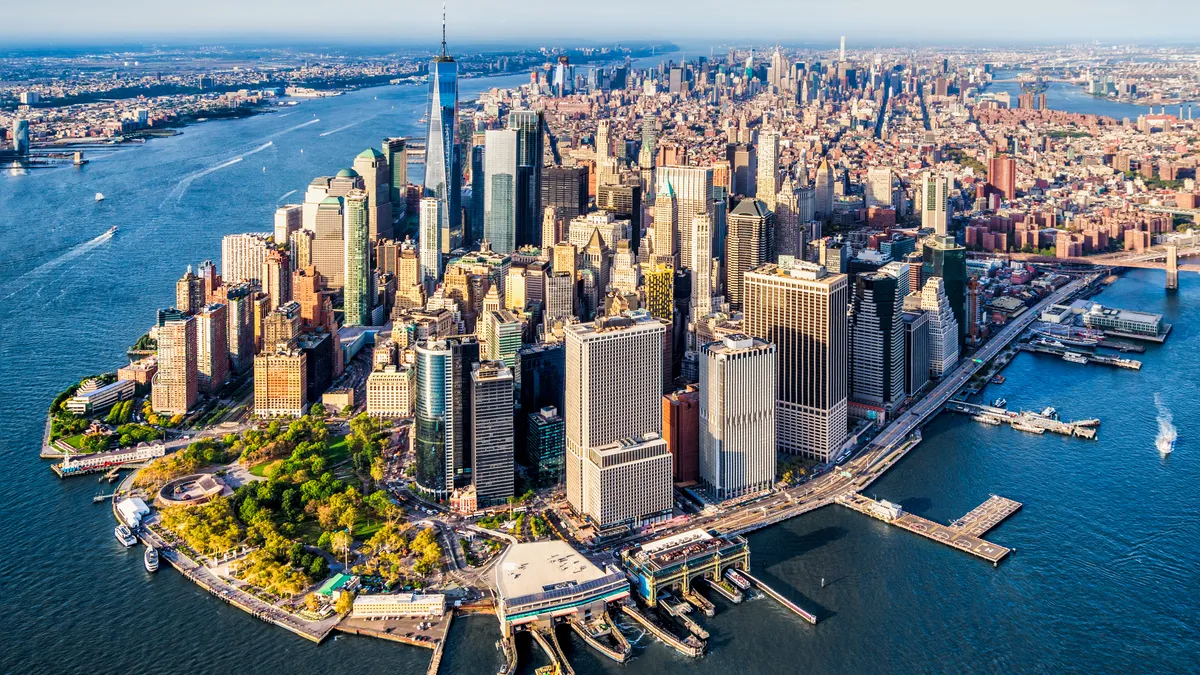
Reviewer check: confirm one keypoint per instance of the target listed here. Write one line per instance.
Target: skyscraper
(943, 327)
(280, 382)
(430, 242)
(916, 351)
(877, 337)
(277, 277)
(681, 430)
(288, 219)
(329, 244)
(530, 128)
(240, 329)
(935, 202)
(443, 169)
(545, 445)
(742, 169)
(824, 189)
(492, 431)
(767, 180)
(212, 348)
(475, 217)
(613, 385)
(737, 416)
(373, 168)
(692, 187)
(395, 153)
(702, 264)
(794, 210)
(357, 264)
(750, 243)
(944, 258)
(242, 257)
(566, 189)
(173, 388)
(189, 293)
(500, 190)
(801, 308)
(435, 438)
(1002, 176)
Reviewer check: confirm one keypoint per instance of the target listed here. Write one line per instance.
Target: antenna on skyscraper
(443, 29)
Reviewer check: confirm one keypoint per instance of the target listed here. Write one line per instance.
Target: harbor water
(1103, 578)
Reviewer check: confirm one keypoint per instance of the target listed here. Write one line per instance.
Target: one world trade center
(443, 166)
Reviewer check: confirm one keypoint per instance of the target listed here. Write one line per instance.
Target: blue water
(1075, 99)
(1103, 579)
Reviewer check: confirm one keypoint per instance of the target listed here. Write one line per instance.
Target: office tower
(801, 308)
(692, 187)
(358, 296)
(842, 50)
(492, 429)
(189, 293)
(611, 230)
(443, 170)
(320, 361)
(174, 386)
(566, 189)
(916, 351)
(877, 193)
(435, 427)
(737, 416)
(500, 190)
(317, 192)
(824, 190)
(595, 262)
(503, 335)
(242, 257)
(943, 327)
(391, 392)
(239, 305)
(373, 168)
(476, 215)
(395, 154)
(743, 169)
(545, 444)
(794, 210)
(627, 482)
(665, 242)
(530, 128)
(288, 219)
(649, 140)
(749, 244)
(613, 385)
(212, 348)
(430, 241)
(560, 296)
(277, 277)
(659, 281)
(260, 307)
(935, 202)
(702, 266)
(1002, 176)
(551, 230)
(624, 202)
(280, 383)
(625, 277)
(282, 326)
(767, 175)
(20, 137)
(681, 430)
(306, 290)
(541, 372)
(300, 247)
(564, 257)
(877, 337)
(944, 258)
(329, 244)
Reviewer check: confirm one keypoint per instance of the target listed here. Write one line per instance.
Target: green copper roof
(347, 173)
(370, 153)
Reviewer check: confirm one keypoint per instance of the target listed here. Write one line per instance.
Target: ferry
(1000, 403)
(124, 536)
(150, 558)
(1074, 357)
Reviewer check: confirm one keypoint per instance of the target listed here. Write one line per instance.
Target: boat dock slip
(1031, 422)
(778, 597)
(1074, 356)
(692, 646)
(963, 534)
(549, 643)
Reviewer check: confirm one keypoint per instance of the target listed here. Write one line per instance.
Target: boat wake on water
(184, 183)
(1167, 434)
(286, 195)
(70, 254)
(334, 131)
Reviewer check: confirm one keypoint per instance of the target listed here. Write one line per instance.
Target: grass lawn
(75, 441)
(364, 528)
(308, 532)
(338, 451)
(260, 470)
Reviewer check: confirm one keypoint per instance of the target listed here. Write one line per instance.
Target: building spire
(443, 29)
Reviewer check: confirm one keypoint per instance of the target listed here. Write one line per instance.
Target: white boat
(1166, 446)
(1074, 357)
(124, 536)
(111, 231)
(150, 558)
(99, 196)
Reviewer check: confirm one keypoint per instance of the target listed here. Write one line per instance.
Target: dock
(963, 534)
(680, 613)
(725, 590)
(1027, 421)
(549, 644)
(779, 597)
(1077, 356)
(692, 646)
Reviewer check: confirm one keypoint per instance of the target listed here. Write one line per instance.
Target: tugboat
(150, 558)
(124, 536)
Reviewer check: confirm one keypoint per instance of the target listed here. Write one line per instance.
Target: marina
(1025, 420)
(965, 534)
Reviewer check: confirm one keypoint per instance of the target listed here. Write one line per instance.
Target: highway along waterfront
(1104, 526)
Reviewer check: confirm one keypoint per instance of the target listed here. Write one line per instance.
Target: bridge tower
(1172, 267)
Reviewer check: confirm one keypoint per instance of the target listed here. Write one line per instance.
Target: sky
(417, 22)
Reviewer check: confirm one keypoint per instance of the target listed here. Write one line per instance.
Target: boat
(124, 536)
(99, 196)
(1074, 357)
(998, 379)
(1000, 403)
(150, 558)
(1166, 446)
(110, 231)
(1050, 412)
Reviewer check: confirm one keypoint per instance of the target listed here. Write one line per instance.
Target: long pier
(689, 647)
(964, 534)
(1031, 422)
(1081, 356)
(779, 597)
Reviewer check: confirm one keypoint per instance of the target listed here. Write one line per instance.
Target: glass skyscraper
(443, 168)
(500, 198)
(435, 426)
(530, 127)
(357, 261)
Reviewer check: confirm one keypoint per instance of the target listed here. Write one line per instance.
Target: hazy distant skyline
(866, 22)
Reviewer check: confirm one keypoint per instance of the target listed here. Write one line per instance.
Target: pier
(593, 633)
(1029, 422)
(1075, 356)
(964, 534)
(779, 597)
(725, 590)
(692, 646)
(548, 641)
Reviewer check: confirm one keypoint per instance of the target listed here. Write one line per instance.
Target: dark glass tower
(944, 258)
(530, 126)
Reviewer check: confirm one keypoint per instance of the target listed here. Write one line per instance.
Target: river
(1075, 99)
(1103, 579)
